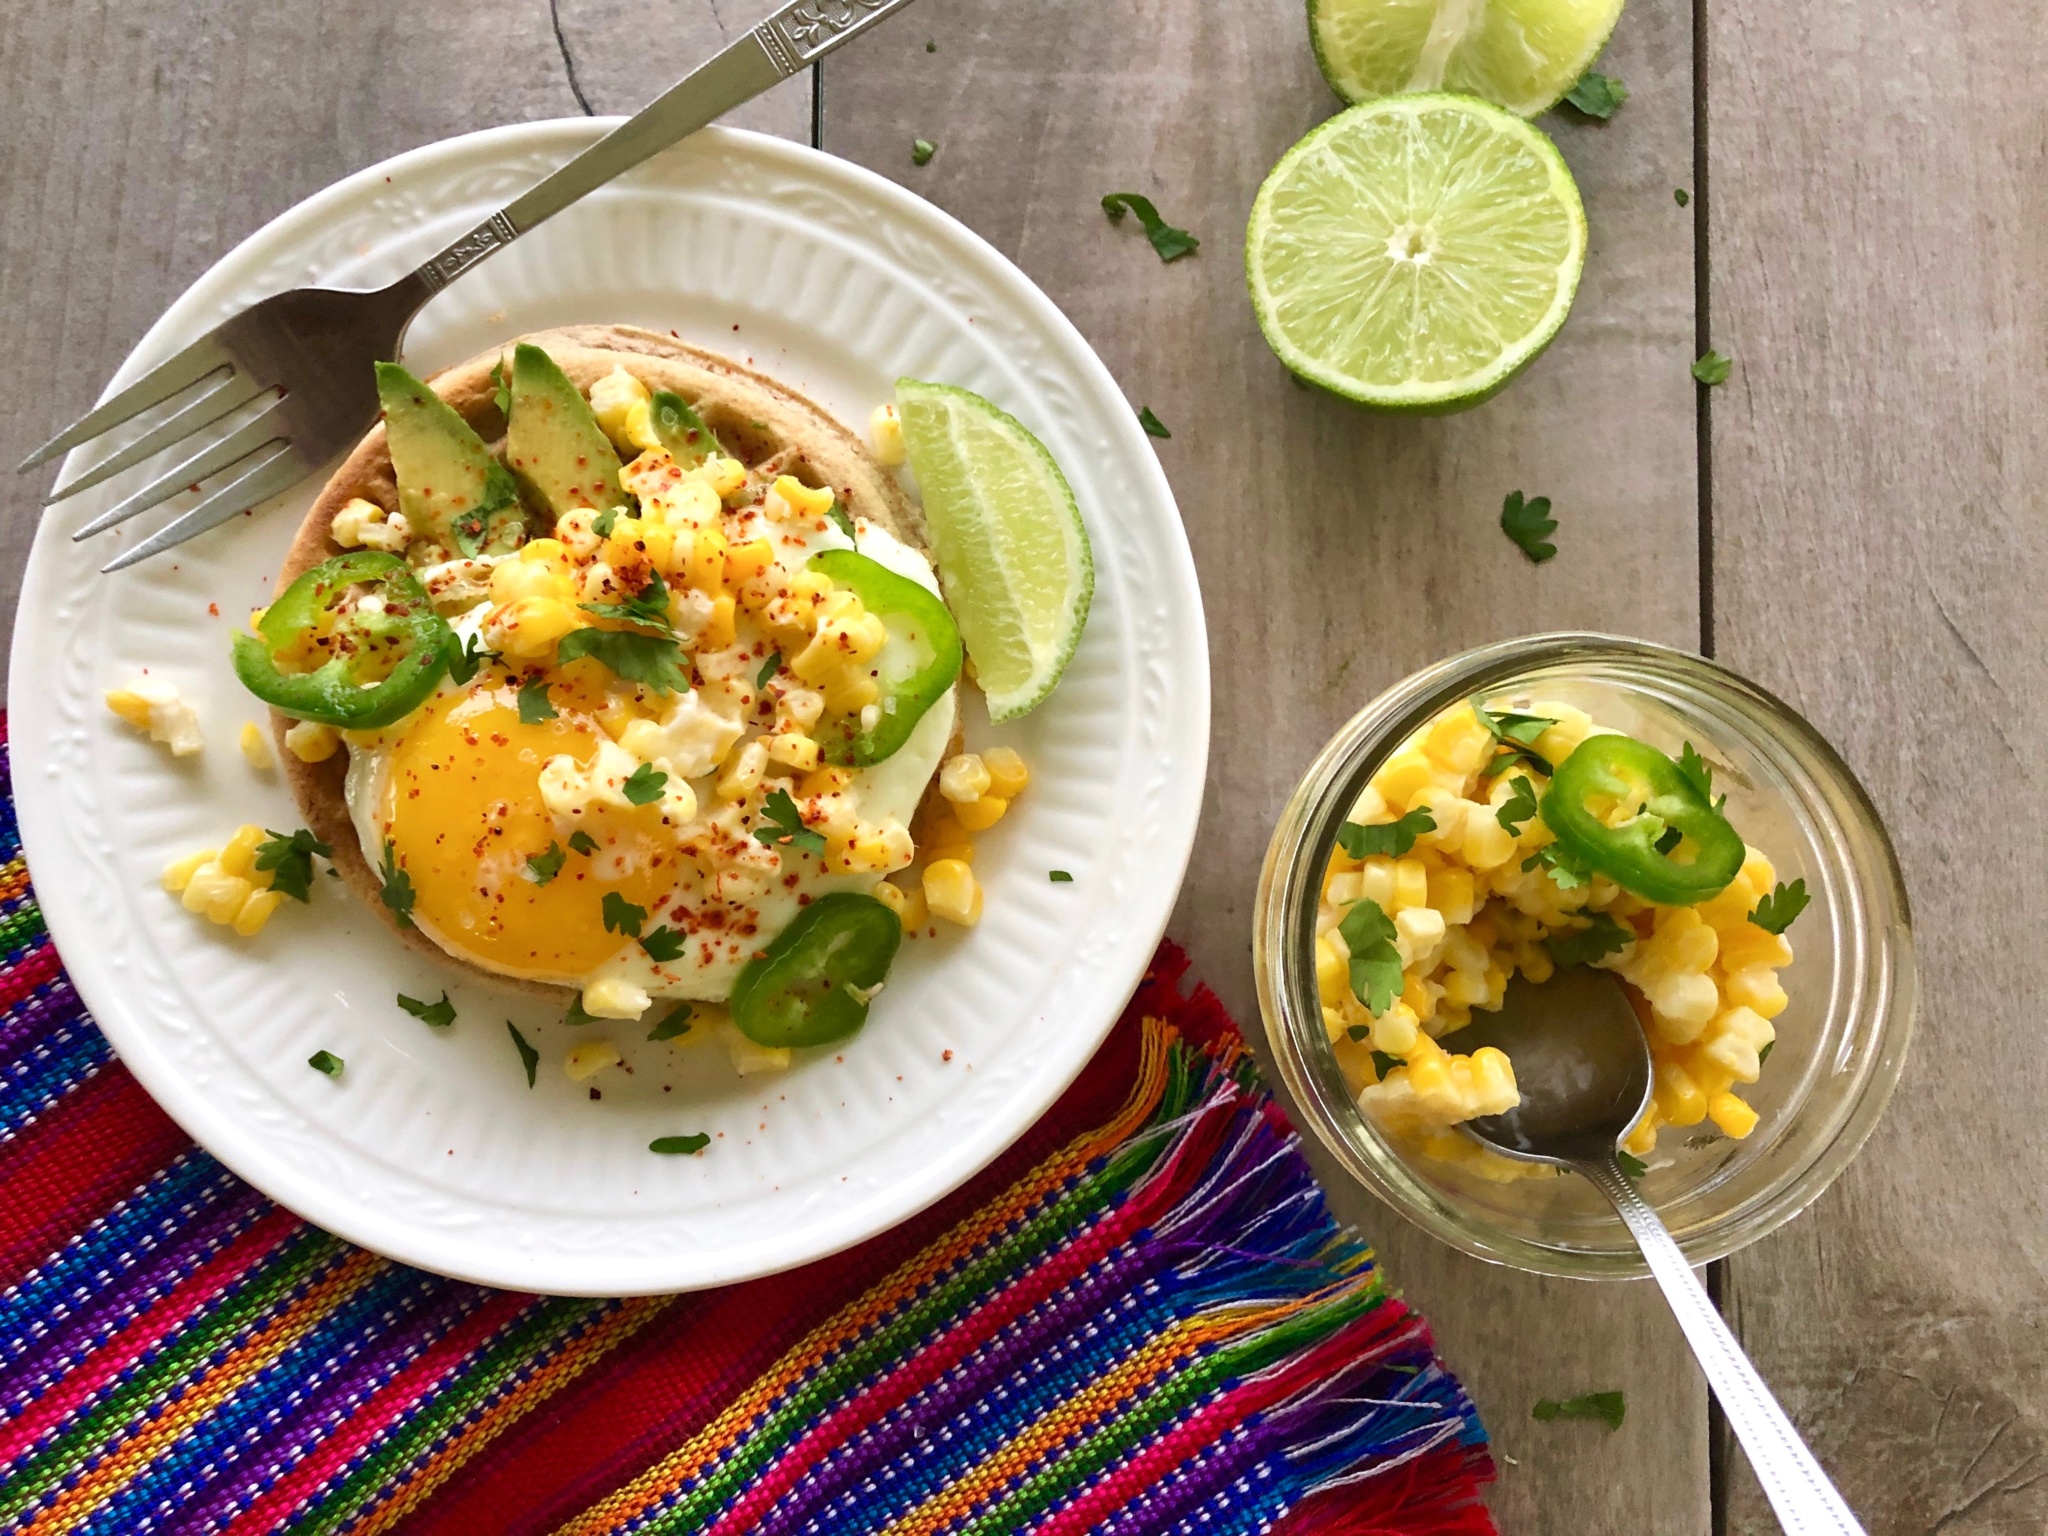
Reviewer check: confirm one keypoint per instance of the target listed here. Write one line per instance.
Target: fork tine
(204, 356)
(239, 390)
(279, 471)
(209, 461)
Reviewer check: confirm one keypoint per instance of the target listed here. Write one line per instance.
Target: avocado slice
(554, 443)
(450, 487)
(682, 430)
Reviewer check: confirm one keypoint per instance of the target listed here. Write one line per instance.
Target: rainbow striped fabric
(1141, 1319)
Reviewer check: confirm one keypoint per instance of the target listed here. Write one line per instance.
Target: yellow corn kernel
(847, 637)
(1007, 773)
(256, 912)
(311, 742)
(1419, 996)
(1411, 885)
(743, 562)
(256, 619)
(1458, 741)
(811, 586)
(1641, 1141)
(964, 778)
(586, 1058)
(1678, 1096)
(823, 781)
(916, 913)
(1489, 1083)
(848, 692)
(725, 476)
(216, 893)
(743, 772)
(625, 411)
(1535, 963)
(801, 499)
(705, 568)
(793, 751)
(528, 629)
(950, 890)
(533, 575)
(1735, 1118)
(1401, 776)
(980, 815)
(1487, 844)
(894, 897)
(885, 431)
(1562, 739)
(1397, 1031)
(874, 849)
(633, 542)
(1333, 976)
(178, 875)
(720, 631)
(239, 857)
(1750, 946)
(1756, 988)
(130, 706)
(1451, 892)
(255, 747)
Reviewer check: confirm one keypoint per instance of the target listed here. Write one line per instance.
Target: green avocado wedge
(450, 486)
(682, 431)
(554, 443)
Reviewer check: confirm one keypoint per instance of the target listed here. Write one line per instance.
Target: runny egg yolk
(464, 815)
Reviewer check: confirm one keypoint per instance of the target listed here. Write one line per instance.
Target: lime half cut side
(1518, 54)
(1415, 252)
(1013, 557)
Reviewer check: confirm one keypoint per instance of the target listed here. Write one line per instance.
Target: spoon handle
(1801, 1494)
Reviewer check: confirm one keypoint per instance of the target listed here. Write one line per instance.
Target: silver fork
(311, 349)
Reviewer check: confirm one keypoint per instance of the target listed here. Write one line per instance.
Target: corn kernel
(793, 750)
(239, 857)
(705, 568)
(875, 849)
(586, 1058)
(178, 875)
(743, 772)
(980, 815)
(1007, 773)
(528, 628)
(255, 747)
(802, 500)
(1401, 776)
(311, 742)
(1333, 975)
(893, 897)
(951, 891)
(256, 912)
(1757, 988)
(849, 692)
(750, 1059)
(1397, 1031)
(1735, 1118)
(625, 411)
(1641, 1140)
(965, 778)
(1458, 741)
(743, 562)
(720, 631)
(1678, 1096)
(155, 706)
(1411, 885)
(612, 998)
(885, 430)
(823, 781)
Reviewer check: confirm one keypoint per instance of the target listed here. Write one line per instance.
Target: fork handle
(791, 39)
(1805, 1501)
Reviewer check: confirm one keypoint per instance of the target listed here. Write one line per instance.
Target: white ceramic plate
(430, 1147)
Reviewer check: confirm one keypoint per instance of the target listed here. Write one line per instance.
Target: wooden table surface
(1854, 519)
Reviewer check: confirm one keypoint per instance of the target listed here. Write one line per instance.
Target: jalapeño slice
(813, 984)
(1639, 855)
(915, 667)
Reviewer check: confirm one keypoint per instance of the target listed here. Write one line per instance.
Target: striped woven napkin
(1140, 1319)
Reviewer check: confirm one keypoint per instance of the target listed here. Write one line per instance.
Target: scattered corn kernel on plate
(267, 914)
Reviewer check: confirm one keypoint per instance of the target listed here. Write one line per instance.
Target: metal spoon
(1583, 1065)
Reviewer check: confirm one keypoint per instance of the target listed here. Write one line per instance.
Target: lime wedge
(1519, 54)
(1013, 557)
(1415, 252)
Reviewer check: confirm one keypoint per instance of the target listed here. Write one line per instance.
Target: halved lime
(1013, 557)
(1519, 54)
(1415, 252)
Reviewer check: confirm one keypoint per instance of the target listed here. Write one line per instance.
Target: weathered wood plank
(145, 139)
(1339, 551)
(1877, 244)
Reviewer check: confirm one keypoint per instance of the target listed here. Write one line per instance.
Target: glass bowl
(1841, 1041)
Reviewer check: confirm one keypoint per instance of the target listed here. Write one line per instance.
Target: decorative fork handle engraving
(801, 32)
(467, 250)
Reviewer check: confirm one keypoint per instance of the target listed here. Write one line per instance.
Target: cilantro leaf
(841, 521)
(1388, 839)
(921, 151)
(1382, 1063)
(1680, 196)
(1712, 368)
(675, 1022)
(543, 867)
(664, 944)
(621, 916)
(397, 894)
(472, 530)
(1170, 243)
(1375, 961)
(1153, 426)
(289, 862)
(1510, 728)
(1610, 1408)
(529, 1058)
(1697, 771)
(768, 670)
(435, 1015)
(1059, 877)
(577, 1014)
(1597, 95)
(643, 785)
(1565, 871)
(465, 663)
(655, 660)
(325, 1061)
(1529, 524)
(1764, 1055)
(786, 827)
(534, 704)
(1774, 914)
(648, 606)
(680, 1146)
(583, 843)
(502, 387)
(602, 524)
(1631, 1165)
(1519, 807)
(1602, 936)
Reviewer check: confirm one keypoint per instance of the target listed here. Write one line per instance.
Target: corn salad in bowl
(1574, 800)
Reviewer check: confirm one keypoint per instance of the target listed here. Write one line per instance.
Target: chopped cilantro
(397, 894)
(643, 785)
(1515, 730)
(1602, 936)
(602, 524)
(1631, 1165)
(1610, 1408)
(534, 704)
(1764, 1055)
(583, 843)
(1529, 524)
(1519, 806)
(1059, 877)
(655, 660)
(1698, 772)
(288, 859)
(1382, 1063)
(1170, 243)
(621, 916)
(465, 663)
(768, 670)
(1597, 95)
(577, 1014)
(1712, 368)
(675, 1022)
(543, 867)
(1375, 961)
(1774, 914)
(325, 1061)
(437, 1015)
(841, 521)
(679, 1145)
(648, 606)
(1565, 871)
(921, 151)
(502, 387)
(664, 944)
(1388, 839)
(529, 1058)
(1680, 196)
(1153, 426)
(786, 827)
